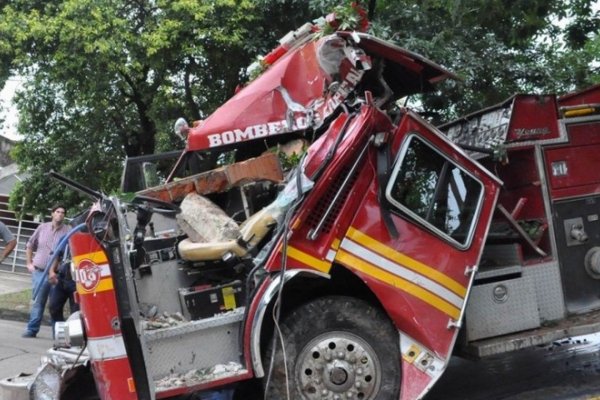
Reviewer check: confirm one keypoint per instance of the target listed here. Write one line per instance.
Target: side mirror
(181, 128)
(151, 177)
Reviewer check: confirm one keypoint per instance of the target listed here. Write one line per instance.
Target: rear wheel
(336, 348)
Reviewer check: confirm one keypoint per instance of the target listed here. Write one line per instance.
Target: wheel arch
(302, 286)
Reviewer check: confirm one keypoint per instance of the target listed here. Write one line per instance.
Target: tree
(497, 47)
(106, 79)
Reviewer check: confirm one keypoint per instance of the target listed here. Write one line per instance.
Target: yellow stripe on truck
(408, 262)
(97, 257)
(307, 259)
(104, 285)
(398, 282)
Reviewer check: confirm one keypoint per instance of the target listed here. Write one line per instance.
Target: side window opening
(146, 171)
(435, 191)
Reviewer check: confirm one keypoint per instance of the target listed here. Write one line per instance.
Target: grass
(15, 306)
(16, 301)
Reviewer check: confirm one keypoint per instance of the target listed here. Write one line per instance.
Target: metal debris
(166, 320)
(197, 376)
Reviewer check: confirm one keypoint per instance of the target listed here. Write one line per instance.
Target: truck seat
(252, 231)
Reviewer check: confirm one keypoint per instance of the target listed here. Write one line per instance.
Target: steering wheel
(153, 205)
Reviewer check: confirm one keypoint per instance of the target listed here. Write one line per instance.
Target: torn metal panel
(265, 167)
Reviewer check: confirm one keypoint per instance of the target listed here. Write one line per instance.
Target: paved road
(568, 370)
(18, 354)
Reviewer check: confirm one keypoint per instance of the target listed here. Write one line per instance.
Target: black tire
(336, 347)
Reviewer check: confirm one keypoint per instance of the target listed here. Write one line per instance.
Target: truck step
(194, 346)
(199, 379)
(575, 325)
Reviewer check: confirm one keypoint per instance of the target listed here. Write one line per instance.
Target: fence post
(14, 256)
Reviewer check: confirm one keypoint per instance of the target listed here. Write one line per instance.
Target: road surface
(18, 354)
(566, 370)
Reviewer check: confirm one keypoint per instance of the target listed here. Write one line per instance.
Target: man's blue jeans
(39, 303)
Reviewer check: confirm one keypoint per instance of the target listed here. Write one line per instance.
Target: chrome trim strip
(545, 188)
(472, 271)
(577, 120)
(257, 320)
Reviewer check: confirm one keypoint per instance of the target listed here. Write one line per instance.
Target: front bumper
(16, 387)
(51, 380)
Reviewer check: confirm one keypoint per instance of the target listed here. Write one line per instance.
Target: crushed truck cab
(317, 238)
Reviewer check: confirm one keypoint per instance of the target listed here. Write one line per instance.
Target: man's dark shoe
(28, 334)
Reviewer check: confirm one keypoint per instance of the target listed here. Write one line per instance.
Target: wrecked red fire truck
(352, 261)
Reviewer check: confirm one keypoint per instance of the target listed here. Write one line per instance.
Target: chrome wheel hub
(338, 365)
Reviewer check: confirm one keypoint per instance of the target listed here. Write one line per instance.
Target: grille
(328, 198)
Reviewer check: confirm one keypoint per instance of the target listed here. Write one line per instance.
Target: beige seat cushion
(214, 251)
(255, 228)
(251, 232)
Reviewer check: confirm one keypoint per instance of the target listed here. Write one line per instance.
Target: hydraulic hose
(59, 249)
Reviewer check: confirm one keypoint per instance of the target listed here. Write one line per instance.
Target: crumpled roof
(291, 94)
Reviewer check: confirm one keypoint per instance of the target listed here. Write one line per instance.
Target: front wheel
(336, 348)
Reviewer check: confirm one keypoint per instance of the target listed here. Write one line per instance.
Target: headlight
(70, 332)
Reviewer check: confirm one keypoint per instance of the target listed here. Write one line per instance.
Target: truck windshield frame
(435, 191)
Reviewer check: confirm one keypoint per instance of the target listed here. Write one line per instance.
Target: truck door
(440, 202)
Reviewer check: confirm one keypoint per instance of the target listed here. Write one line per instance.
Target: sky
(8, 112)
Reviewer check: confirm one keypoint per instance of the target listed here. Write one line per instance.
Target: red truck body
(389, 246)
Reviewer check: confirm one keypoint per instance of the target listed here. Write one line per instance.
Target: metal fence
(22, 228)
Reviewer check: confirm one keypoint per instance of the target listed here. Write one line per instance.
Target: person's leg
(70, 288)
(57, 299)
(39, 303)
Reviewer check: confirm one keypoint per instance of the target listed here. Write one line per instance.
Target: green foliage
(256, 68)
(288, 161)
(107, 79)
(497, 47)
(533, 228)
(346, 17)
(591, 50)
